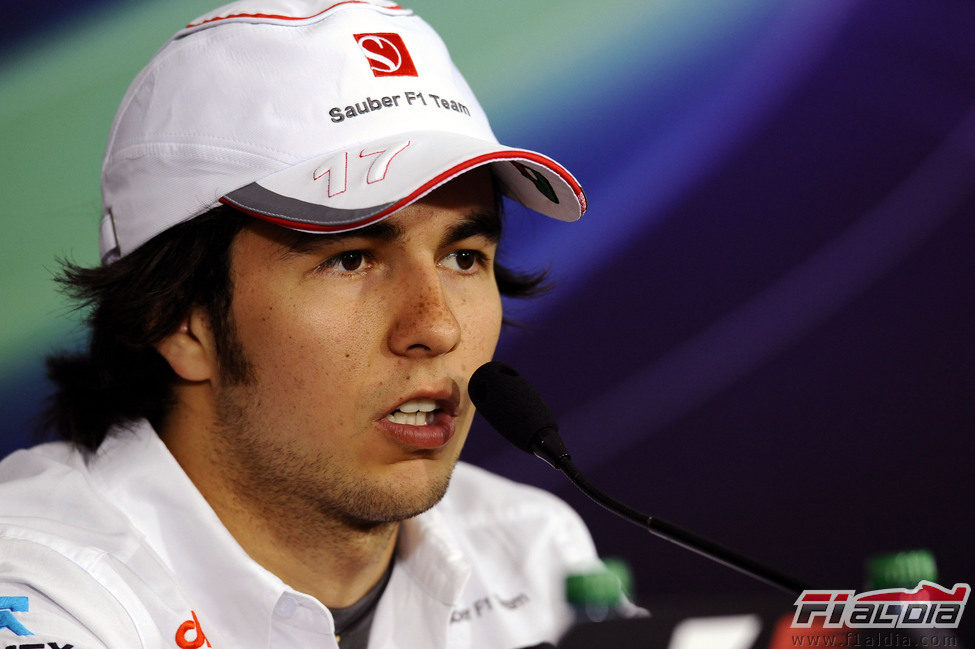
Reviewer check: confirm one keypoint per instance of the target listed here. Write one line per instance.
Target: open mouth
(415, 412)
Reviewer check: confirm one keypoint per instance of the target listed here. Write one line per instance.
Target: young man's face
(339, 331)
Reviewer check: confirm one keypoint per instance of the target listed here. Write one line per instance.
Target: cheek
(303, 353)
(482, 327)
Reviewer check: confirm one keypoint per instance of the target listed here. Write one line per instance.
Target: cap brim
(348, 189)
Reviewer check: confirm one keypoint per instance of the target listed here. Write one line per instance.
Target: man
(299, 245)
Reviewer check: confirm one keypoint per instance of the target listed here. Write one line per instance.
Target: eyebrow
(476, 223)
(297, 242)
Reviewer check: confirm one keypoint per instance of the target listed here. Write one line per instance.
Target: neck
(328, 559)
(315, 552)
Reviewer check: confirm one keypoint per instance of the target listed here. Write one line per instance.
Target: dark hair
(137, 301)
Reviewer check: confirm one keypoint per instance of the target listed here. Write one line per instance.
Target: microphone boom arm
(680, 536)
(513, 407)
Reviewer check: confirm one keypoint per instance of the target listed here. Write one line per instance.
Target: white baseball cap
(318, 115)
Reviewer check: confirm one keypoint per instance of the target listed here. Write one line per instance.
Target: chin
(380, 507)
(415, 486)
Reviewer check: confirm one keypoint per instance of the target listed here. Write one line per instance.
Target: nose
(424, 325)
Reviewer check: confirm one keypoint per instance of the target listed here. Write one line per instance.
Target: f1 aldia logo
(927, 606)
(387, 55)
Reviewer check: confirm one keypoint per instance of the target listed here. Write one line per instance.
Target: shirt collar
(225, 586)
(218, 576)
(428, 550)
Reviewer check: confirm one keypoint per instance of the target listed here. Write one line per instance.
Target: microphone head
(510, 404)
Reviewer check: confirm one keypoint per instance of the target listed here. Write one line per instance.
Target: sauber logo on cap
(387, 55)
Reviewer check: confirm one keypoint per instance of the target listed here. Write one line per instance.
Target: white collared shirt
(118, 549)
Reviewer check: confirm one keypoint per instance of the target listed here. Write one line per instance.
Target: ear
(190, 350)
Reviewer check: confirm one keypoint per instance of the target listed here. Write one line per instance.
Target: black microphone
(515, 409)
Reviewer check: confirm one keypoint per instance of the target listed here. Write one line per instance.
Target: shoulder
(48, 493)
(65, 549)
(483, 504)
(54, 601)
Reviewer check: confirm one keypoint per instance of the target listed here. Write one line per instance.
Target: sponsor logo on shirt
(190, 634)
(21, 604)
(486, 606)
(8, 606)
(387, 55)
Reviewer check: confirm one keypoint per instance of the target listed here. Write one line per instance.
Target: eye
(348, 261)
(465, 259)
(351, 260)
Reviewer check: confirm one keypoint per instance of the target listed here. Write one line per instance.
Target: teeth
(411, 418)
(415, 412)
(417, 405)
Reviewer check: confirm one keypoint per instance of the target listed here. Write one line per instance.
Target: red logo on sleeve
(387, 55)
(187, 627)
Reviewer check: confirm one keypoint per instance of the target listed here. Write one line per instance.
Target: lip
(431, 436)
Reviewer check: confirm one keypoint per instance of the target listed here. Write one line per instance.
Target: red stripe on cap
(424, 188)
(280, 17)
